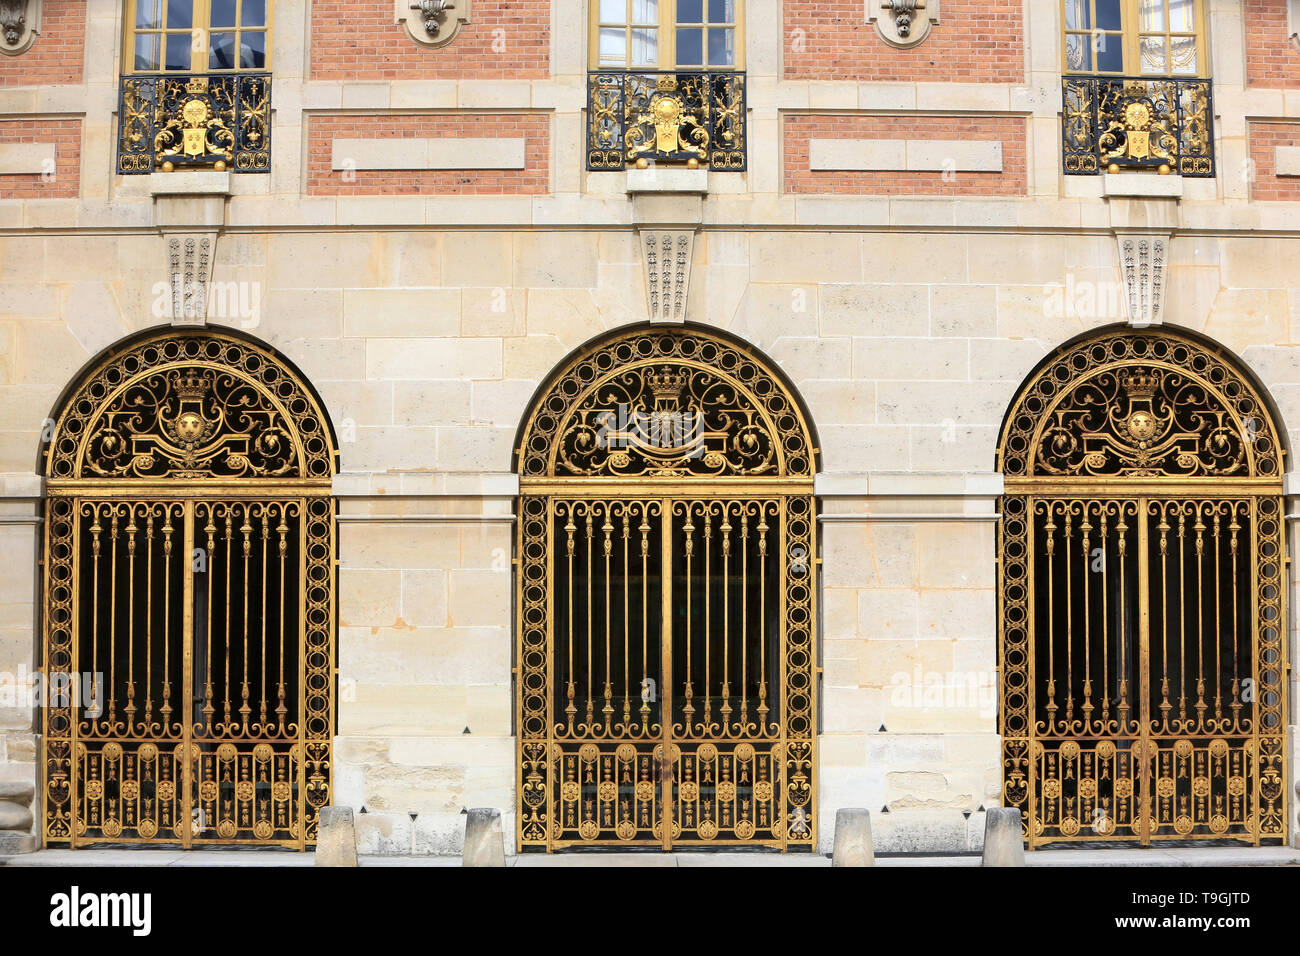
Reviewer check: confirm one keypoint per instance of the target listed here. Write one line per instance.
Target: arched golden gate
(189, 591)
(666, 600)
(1141, 580)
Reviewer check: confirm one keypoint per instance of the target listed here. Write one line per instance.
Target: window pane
(1108, 16)
(1182, 55)
(1109, 52)
(223, 13)
(690, 47)
(645, 11)
(1153, 55)
(252, 50)
(722, 46)
(222, 51)
(148, 13)
(1077, 53)
(180, 14)
(1152, 15)
(147, 47)
(1076, 14)
(690, 11)
(613, 46)
(1182, 16)
(722, 11)
(179, 46)
(613, 11)
(645, 47)
(253, 13)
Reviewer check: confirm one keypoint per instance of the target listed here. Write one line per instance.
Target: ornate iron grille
(1141, 598)
(666, 117)
(189, 565)
(218, 120)
(1121, 122)
(666, 602)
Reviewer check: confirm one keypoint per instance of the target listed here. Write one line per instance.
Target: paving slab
(216, 857)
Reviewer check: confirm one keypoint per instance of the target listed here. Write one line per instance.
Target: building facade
(667, 421)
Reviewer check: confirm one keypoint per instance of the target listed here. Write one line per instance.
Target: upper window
(197, 36)
(666, 34)
(1135, 37)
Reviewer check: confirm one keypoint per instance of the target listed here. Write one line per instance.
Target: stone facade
(428, 309)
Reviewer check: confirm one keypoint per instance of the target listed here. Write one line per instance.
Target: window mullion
(668, 34)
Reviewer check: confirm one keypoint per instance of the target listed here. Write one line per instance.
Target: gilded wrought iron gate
(189, 569)
(1142, 648)
(666, 658)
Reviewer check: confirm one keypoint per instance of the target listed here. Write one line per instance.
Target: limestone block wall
(427, 320)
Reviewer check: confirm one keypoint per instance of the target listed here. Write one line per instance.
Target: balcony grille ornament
(20, 22)
(433, 22)
(903, 23)
(214, 121)
(688, 118)
(1114, 123)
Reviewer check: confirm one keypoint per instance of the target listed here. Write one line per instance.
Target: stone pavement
(1190, 857)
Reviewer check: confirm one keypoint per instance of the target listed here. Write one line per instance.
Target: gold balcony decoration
(1115, 123)
(189, 599)
(213, 121)
(1141, 599)
(667, 601)
(681, 117)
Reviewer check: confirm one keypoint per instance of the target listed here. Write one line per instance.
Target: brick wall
(358, 40)
(974, 41)
(324, 128)
(66, 181)
(1267, 185)
(57, 54)
(1271, 60)
(800, 129)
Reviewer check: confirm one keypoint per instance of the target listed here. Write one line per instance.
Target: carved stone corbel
(666, 256)
(433, 22)
(903, 23)
(20, 22)
(1142, 260)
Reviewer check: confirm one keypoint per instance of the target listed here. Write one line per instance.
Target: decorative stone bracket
(903, 23)
(433, 23)
(666, 256)
(1142, 259)
(189, 211)
(20, 22)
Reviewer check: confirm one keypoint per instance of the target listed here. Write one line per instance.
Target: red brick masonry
(66, 181)
(324, 128)
(358, 40)
(975, 41)
(1267, 186)
(57, 55)
(801, 128)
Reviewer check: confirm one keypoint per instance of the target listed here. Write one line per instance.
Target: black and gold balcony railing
(1110, 123)
(673, 116)
(207, 121)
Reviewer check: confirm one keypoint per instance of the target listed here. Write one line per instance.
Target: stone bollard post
(16, 797)
(1003, 841)
(336, 837)
(853, 846)
(484, 840)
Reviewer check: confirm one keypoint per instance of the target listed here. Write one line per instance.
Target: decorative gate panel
(666, 655)
(192, 614)
(1141, 604)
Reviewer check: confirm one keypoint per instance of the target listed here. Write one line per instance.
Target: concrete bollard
(16, 799)
(336, 837)
(484, 840)
(1004, 844)
(853, 846)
